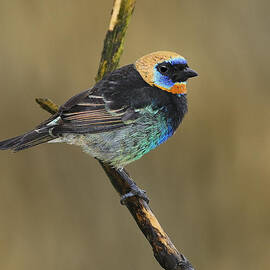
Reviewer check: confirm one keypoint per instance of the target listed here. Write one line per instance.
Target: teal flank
(121, 147)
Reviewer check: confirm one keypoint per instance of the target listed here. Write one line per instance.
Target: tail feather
(27, 140)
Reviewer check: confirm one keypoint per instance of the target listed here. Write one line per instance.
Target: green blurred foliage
(209, 185)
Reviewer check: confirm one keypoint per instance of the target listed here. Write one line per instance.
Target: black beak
(183, 75)
(189, 73)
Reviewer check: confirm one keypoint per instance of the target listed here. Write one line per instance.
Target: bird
(122, 117)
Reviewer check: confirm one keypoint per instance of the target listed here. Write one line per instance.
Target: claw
(135, 191)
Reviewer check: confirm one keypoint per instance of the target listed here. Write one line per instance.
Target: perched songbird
(125, 115)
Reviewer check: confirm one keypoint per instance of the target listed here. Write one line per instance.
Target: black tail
(27, 140)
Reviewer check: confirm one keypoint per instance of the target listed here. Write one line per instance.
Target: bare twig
(164, 250)
(47, 105)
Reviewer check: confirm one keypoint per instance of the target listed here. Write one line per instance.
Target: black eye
(163, 69)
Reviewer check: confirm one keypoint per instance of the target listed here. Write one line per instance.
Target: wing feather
(89, 112)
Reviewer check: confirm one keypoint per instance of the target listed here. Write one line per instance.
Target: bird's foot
(134, 191)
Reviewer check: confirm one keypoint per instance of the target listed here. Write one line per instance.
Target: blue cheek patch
(162, 80)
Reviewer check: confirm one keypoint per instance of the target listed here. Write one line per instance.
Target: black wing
(112, 103)
(90, 112)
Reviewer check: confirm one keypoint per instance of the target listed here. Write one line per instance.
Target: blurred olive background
(209, 185)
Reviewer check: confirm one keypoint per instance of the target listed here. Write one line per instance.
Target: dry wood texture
(164, 250)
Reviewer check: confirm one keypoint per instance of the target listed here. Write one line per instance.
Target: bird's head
(168, 71)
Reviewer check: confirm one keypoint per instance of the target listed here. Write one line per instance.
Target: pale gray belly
(122, 146)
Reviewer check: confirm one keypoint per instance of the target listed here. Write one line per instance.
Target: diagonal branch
(114, 40)
(164, 250)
